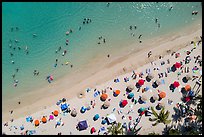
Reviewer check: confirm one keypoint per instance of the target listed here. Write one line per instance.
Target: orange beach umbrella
(187, 87)
(44, 119)
(55, 113)
(117, 92)
(104, 96)
(162, 94)
(37, 122)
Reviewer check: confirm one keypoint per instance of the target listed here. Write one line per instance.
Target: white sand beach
(103, 79)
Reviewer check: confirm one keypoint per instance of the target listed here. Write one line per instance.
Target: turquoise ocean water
(50, 21)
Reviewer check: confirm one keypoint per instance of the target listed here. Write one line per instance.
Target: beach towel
(162, 81)
(102, 129)
(96, 93)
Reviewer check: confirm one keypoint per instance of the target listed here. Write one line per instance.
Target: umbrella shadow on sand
(172, 88)
(152, 100)
(173, 68)
(138, 85)
(185, 80)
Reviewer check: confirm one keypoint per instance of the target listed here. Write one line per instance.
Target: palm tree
(162, 117)
(115, 129)
(174, 132)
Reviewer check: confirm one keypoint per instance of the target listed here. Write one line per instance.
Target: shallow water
(50, 21)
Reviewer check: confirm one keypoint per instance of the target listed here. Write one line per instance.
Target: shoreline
(105, 73)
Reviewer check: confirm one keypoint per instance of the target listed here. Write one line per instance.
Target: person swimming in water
(65, 51)
(140, 36)
(104, 40)
(34, 35)
(12, 62)
(108, 3)
(170, 8)
(80, 28)
(131, 27)
(156, 20)
(59, 48)
(11, 54)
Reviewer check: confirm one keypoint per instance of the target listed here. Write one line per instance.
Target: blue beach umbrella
(130, 95)
(64, 106)
(96, 117)
(103, 121)
(191, 93)
(83, 109)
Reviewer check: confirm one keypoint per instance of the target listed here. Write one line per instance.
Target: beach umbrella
(44, 119)
(104, 96)
(177, 65)
(103, 121)
(155, 97)
(96, 117)
(142, 109)
(73, 113)
(28, 119)
(191, 93)
(141, 82)
(130, 87)
(106, 104)
(124, 103)
(37, 122)
(81, 94)
(55, 113)
(64, 106)
(83, 109)
(188, 77)
(162, 94)
(187, 99)
(51, 117)
(144, 98)
(150, 76)
(93, 130)
(130, 95)
(187, 87)
(116, 92)
(176, 84)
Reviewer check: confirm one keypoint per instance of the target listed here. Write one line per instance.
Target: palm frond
(153, 119)
(154, 112)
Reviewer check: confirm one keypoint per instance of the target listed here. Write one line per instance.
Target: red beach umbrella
(124, 103)
(187, 99)
(176, 84)
(177, 65)
(141, 82)
(93, 130)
